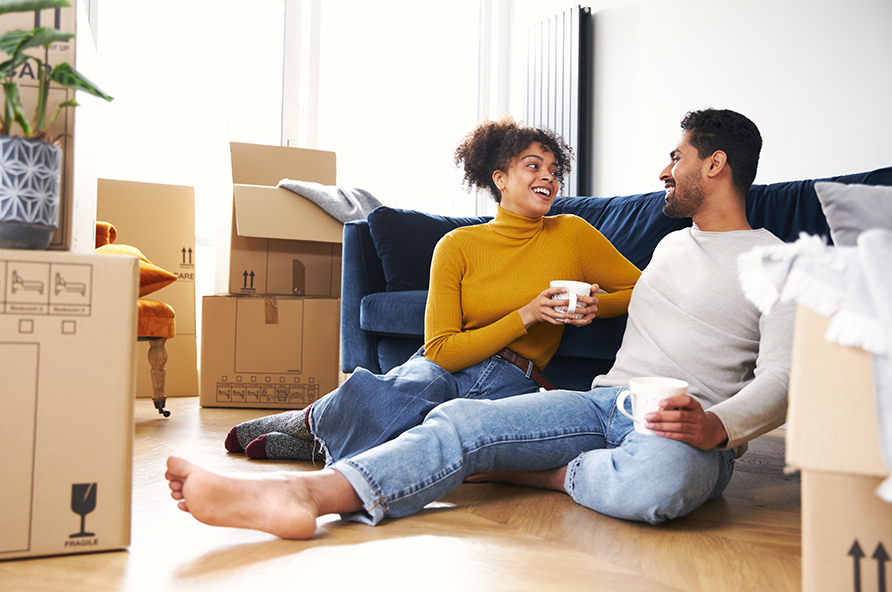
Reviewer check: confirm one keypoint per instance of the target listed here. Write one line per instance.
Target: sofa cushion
(634, 224)
(405, 241)
(851, 209)
(394, 313)
(788, 209)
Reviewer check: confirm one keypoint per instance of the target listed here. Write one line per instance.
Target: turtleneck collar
(514, 226)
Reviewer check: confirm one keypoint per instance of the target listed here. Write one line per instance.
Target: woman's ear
(498, 177)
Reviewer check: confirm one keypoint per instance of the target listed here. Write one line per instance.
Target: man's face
(684, 190)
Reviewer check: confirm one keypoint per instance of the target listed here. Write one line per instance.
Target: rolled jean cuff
(570, 477)
(374, 509)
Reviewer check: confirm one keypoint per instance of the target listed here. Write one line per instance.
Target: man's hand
(683, 419)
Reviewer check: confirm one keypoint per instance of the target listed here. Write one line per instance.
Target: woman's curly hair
(493, 145)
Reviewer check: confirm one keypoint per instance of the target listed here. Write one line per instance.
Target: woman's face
(529, 186)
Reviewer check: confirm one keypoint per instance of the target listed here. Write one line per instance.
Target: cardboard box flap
(271, 212)
(257, 164)
(831, 415)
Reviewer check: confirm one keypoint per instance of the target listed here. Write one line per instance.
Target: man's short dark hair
(733, 134)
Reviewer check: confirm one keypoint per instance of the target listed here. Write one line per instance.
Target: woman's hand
(541, 309)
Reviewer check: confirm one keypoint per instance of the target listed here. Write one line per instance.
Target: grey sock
(291, 423)
(278, 446)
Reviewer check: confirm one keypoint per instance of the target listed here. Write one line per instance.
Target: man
(688, 319)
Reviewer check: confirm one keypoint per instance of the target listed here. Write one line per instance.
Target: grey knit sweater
(689, 319)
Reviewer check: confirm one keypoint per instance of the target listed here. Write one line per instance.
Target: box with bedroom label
(67, 361)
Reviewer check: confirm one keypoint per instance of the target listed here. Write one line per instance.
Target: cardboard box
(268, 352)
(67, 361)
(279, 242)
(76, 129)
(159, 220)
(833, 438)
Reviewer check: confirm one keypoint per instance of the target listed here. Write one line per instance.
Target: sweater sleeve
(761, 405)
(446, 343)
(607, 267)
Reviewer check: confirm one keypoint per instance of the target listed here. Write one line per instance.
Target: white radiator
(558, 87)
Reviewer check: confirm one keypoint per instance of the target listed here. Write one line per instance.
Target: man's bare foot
(282, 503)
(547, 479)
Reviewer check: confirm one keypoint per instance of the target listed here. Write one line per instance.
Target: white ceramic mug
(647, 392)
(574, 290)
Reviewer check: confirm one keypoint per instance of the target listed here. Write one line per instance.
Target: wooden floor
(481, 537)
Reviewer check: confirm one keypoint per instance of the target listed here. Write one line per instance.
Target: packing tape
(271, 308)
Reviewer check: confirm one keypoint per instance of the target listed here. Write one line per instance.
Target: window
(397, 90)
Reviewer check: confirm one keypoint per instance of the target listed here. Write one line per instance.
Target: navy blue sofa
(387, 259)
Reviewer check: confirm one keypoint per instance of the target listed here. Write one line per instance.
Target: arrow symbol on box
(184, 256)
(251, 275)
(881, 558)
(857, 554)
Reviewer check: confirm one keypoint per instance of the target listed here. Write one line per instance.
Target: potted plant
(31, 162)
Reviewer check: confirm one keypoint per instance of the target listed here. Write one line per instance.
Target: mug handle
(621, 404)
(572, 308)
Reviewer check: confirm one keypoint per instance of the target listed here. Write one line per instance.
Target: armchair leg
(158, 361)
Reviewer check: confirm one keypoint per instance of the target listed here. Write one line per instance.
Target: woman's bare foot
(547, 479)
(282, 503)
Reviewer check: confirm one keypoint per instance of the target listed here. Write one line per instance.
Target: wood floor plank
(481, 537)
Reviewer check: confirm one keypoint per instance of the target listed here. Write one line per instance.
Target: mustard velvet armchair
(156, 320)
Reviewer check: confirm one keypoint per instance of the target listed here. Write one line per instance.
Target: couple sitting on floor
(459, 411)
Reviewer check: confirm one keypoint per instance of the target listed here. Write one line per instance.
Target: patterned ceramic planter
(30, 181)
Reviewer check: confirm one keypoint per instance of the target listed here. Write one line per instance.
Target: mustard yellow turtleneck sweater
(481, 275)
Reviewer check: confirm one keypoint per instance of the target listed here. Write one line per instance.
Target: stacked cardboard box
(67, 342)
(833, 438)
(270, 336)
(67, 361)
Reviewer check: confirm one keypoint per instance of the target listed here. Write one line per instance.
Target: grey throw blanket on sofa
(342, 203)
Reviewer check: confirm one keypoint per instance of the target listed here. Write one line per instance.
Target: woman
(489, 310)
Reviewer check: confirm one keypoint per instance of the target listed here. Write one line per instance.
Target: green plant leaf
(7, 68)
(71, 78)
(43, 93)
(69, 103)
(13, 108)
(11, 39)
(42, 37)
(30, 5)
(15, 62)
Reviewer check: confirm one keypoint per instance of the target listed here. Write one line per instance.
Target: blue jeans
(369, 409)
(612, 469)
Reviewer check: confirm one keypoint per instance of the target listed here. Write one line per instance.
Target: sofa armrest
(362, 274)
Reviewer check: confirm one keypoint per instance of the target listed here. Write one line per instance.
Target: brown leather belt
(528, 367)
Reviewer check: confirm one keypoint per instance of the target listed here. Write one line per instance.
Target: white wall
(814, 75)
(397, 92)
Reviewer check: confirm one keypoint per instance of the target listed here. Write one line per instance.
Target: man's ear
(716, 163)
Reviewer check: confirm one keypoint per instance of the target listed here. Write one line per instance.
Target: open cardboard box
(159, 220)
(279, 242)
(67, 361)
(833, 438)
